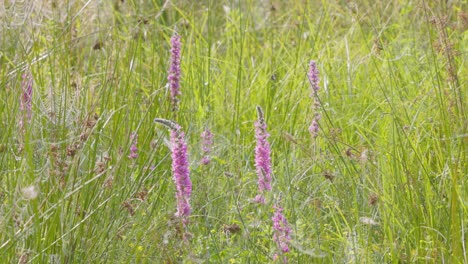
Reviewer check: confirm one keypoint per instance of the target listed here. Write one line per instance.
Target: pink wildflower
(207, 143)
(314, 126)
(314, 80)
(133, 147)
(181, 173)
(180, 168)
(282, 230)
(262, 153)
(314, 77)
(260, 198)
(174, 70)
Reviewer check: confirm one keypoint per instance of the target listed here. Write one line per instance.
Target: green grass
(393, 134)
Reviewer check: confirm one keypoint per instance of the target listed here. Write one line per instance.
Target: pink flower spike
(262, 153)
(180, 169)
(282, 230)
(314, 77)
(181, 173)
(314, 128)
(133, 147)
(207, 142)
(174, 70)
(259, 199)
(314, 80)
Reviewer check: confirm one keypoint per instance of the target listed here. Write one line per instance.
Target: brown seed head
(328, 175)
(373, 199)
(231, 229)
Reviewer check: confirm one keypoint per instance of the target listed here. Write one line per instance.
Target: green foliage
(384, 182)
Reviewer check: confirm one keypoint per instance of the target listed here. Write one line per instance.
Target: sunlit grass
(384, 181)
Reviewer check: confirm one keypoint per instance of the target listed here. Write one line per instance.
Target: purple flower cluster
(314, 77)
(174, 70)
(259, 198)
(314, 126)
(181, 172)
(314, 80)
(26, 99)
(282, 230)
(133, 147)
(262, 155)
(207, 143)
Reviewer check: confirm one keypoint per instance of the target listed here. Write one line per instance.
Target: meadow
(236, 131)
